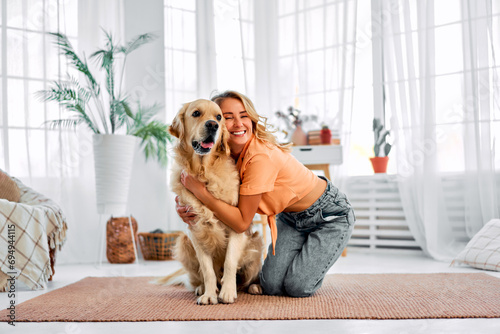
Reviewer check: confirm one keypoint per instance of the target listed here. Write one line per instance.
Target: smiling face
(238, 124)
(199, 124)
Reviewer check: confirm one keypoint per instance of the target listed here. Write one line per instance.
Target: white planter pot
(113, 159)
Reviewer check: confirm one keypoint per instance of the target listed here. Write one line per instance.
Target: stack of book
(313, 137)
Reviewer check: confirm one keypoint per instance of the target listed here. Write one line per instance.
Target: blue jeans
(309, 242)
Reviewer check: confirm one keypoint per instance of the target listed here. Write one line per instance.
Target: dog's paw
(207, 299)
(255, 289)
(227, 295)
(199, 290)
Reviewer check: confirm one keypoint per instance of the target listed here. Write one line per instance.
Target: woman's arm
(238, 218)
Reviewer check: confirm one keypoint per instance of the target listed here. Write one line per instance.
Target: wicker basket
(119, 245)
(158, 246)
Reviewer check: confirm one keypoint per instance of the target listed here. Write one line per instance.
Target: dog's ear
(224, 147)
(176, 129)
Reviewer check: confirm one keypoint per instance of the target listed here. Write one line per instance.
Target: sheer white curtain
(29, 149)
(78, 182)
(315, 59)
(48, 160)
(481, 129)
(235, 45)
(440, 85)
(190, 68)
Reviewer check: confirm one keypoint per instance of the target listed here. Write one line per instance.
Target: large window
(29, 61)
(312, 45)
(208, 47)
(180, 54)
(327, 59)
(317, 50)
(235, 54)
(461, 72)
(361, 144)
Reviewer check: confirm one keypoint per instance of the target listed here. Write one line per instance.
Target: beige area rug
(343, 296)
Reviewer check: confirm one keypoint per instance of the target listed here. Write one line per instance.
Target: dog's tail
(178, 277)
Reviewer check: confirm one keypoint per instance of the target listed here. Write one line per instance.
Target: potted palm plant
(381, 148)
(108, 113)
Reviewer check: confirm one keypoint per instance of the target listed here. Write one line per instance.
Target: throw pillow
(8, 188)
(483, 250)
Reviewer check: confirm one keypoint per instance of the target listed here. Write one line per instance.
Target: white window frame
(6, 125)
(377, 61)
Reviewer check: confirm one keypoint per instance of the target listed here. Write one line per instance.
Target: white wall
(148, 198)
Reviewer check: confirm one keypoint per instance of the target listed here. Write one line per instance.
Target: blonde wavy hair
(261, 129)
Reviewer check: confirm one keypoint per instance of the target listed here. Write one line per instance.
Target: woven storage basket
(158, 246)
(119, 245)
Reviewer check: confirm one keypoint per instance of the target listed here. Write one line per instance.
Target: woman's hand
(192, 184)
(238, 218)
(184, 212)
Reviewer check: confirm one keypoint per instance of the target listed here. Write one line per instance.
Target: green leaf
(147, 113)
(124, 113)
(64, 123)
(137, 42)
(154, 140)
(387, 149)
(67, 50)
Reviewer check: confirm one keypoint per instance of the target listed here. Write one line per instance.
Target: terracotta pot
(379, 164)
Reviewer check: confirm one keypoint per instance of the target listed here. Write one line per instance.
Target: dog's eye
(196, 113)
(219, 117)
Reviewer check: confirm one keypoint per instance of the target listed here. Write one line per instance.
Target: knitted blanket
(27, 230)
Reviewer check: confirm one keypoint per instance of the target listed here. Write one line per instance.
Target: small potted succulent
(381, 148)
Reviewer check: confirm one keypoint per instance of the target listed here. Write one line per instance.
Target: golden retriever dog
(215, 257)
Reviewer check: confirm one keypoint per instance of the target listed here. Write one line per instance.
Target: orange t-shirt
(278, 176)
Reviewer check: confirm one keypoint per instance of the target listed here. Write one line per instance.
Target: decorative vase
(113, 158)
(120, 248)
(299, 137)
(379, 164)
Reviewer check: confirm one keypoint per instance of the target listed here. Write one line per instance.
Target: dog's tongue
(207, 145)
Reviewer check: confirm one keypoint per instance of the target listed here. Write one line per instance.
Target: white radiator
(380, 220)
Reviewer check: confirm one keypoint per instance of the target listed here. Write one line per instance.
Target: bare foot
(255, 289)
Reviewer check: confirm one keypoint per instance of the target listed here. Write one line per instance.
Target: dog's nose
(212, 125)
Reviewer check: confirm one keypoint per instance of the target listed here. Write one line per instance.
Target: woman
(310, 219)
